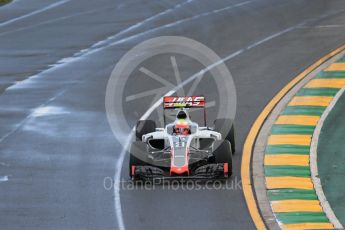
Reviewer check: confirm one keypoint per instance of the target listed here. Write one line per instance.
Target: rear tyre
(144, 127)
(227, 129)
(138, 155)
(223, 154)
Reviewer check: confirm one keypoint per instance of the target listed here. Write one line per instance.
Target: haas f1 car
(182, 149)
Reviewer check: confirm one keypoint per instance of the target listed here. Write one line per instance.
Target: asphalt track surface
(56, 146)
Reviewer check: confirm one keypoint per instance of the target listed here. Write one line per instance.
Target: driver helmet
(182, 128)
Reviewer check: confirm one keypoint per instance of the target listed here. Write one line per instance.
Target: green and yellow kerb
(287, 167)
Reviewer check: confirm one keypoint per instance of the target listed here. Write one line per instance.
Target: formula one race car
(182, 149)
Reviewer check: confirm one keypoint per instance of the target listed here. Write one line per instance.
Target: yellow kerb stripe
(250, 140)
(289, 140)
(289, 182)
(296, 206)
(336, 67)
(307, 226)
(287, 159)
(311, 100)
(297, 120)
(326, 83)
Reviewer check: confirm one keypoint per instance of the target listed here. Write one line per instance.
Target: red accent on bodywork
(179, 170)
(226, 168)
(133, 170)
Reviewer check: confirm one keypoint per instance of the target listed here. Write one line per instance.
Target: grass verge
(3, 2)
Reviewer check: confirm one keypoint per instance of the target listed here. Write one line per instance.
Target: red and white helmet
(182, 128)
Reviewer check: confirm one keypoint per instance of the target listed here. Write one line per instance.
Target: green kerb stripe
(342, 59)
(287, 149)
(291, 194)
(317, 92)
(287, 170)
(331, 74)
(288, 194)
(302, 217)
(3, 2)
(292, 129)
(304, 110)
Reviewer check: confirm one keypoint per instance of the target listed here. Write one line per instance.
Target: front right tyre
(223, 154)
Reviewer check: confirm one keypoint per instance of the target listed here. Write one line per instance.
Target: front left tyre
(143, 127)
(227, 129)
(138, 156)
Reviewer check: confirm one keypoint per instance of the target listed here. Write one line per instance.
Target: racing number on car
(180, 144)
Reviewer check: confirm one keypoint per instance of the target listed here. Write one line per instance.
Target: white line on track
(119, 164)
(179, 22)
(137, 25)
(322, 26)
(55, 20)
(98, 46)
(95, 47)
(56, 4)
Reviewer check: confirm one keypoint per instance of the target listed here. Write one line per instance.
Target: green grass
(3, 2)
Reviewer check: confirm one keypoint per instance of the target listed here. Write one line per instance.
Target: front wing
(209, 171)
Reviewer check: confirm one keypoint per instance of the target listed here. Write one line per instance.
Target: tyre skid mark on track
(55, 20)
(96, 48)
(60, 63)
(139, 24)
(179, 22)
(51, 6)
(107, 43)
